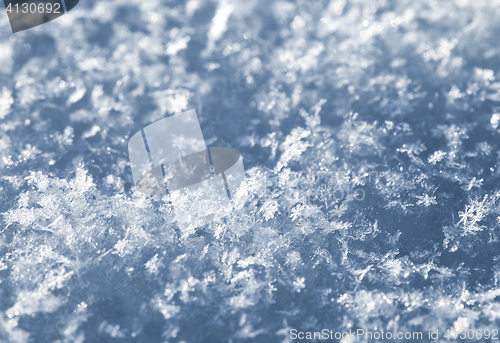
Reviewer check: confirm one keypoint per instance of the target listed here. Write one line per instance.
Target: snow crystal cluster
(370, 132)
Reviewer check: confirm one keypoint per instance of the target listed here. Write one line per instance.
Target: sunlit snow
(370, 132)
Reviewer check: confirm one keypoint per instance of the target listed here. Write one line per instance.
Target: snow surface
(370, 131)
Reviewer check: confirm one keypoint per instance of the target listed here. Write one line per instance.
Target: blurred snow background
(399, 99)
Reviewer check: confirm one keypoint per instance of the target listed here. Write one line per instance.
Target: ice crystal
(370, 135)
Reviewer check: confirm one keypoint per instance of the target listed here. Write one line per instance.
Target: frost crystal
(370, 132)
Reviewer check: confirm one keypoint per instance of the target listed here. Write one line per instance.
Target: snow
(369, 131)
